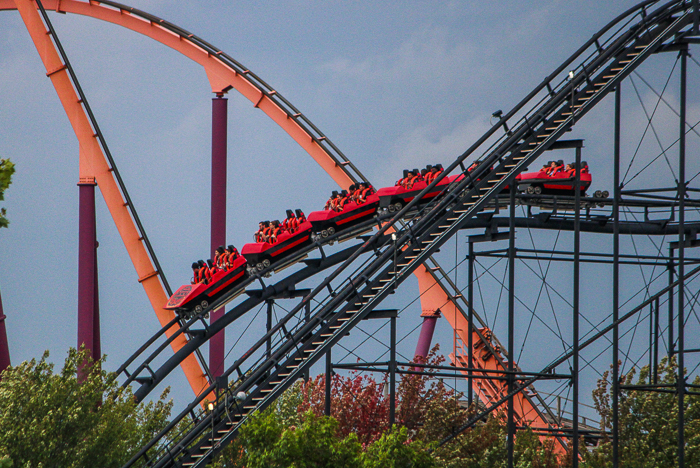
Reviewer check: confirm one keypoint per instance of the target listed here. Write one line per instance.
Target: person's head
(334, 194)
(344, 193)
(230, 249)
(433, 169)
(220, 249)
(429, 167)
(423, 172)
(202, 264)
(195, 265)
(569, 166)
(267, 223)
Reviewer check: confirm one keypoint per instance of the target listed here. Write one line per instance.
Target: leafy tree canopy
(7, 168)
(52, 419)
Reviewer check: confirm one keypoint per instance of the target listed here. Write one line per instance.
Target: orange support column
(93, 159)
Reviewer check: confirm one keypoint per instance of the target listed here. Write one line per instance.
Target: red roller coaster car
(195, 297)
(261, 255)
(328, 222)
(395, 198)
(558, 183)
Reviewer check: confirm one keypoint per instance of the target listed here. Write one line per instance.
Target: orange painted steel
(488, 391)
(94, 165)
(221, 78)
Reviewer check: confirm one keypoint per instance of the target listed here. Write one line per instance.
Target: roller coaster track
(224, 73)
(272, 103)
(542, 118)
(296, 125)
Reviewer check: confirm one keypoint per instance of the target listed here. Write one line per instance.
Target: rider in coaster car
(331, 201)
(351, 192)
(220, 258)
(231, 255)
(417, 177)
(301, 217)
(259, 235)
(363, 192)
(342, 200)
(201, 274)
(557, 167)
(570, 169)
(265, 233)
(402, 180)
(287, 224)
(430, 173)
(195, 273)
(211, 269)
(408, 180)
(274, 231)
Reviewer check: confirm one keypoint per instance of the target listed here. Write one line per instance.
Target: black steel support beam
(511, 326)
(681, 266)
(617, 187)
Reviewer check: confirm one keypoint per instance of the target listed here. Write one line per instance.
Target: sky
(392, 84)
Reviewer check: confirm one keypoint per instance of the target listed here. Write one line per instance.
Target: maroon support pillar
(4, 347)
(426, 333)
(88, 299)
(219, 122)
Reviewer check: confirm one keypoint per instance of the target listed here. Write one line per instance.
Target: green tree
(269, 443)
(51, 419)
(395, 450)
(7, 168)
(648, 422)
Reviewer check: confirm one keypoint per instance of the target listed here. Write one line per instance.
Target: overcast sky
(392, 84)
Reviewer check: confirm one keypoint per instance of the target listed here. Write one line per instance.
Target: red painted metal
(4, 345)
(219, 123)
(88, 322)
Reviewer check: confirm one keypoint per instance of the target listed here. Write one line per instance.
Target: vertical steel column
(329, 380)
(616, 280)
(219, 123)
(577, 251)
(4, 345)
(470, 313)
(270, 303)
(88, 323)
(511, 324)
(671, 292)
(655, 366)
(651, 342)
(392, 374)
(307, 317)
(681, 267)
